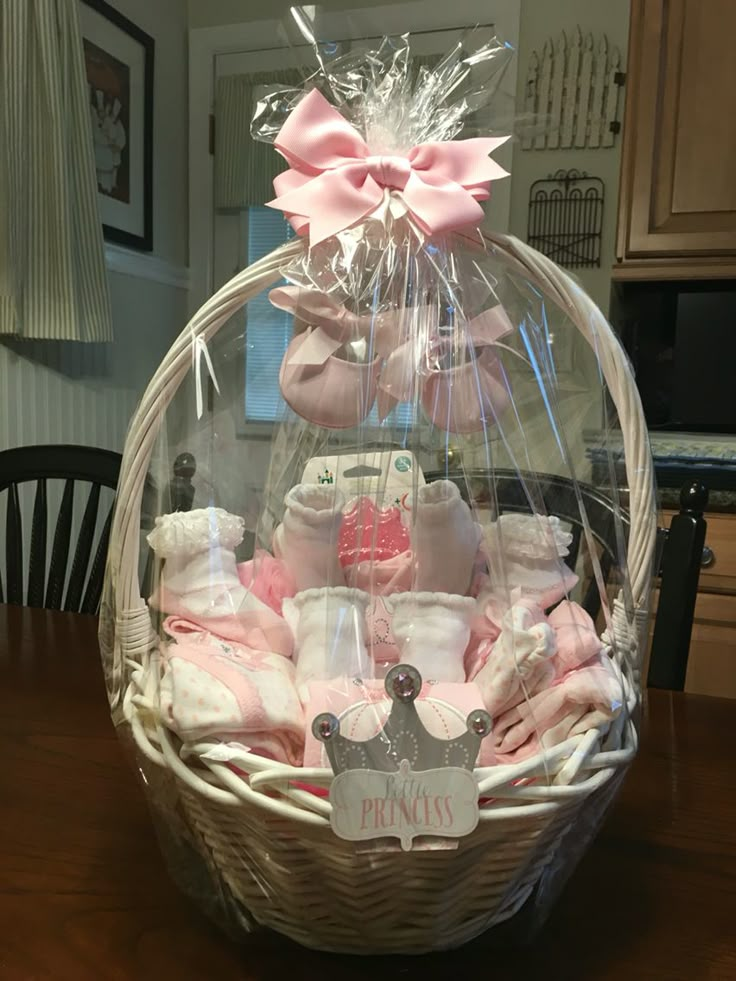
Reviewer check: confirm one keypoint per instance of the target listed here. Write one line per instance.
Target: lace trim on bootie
(190, 532)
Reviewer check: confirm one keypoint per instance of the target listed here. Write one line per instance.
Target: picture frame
(119, 61)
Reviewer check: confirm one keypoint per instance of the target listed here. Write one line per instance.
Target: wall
(208, 13)
(63, 392)
(541, 19)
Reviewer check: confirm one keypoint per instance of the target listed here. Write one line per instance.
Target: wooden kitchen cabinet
(677, 206)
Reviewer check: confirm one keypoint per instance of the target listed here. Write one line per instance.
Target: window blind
(268, 330)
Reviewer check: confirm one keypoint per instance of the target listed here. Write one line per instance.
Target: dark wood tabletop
(84, 893)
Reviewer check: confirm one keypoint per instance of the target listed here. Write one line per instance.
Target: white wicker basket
(270, 842)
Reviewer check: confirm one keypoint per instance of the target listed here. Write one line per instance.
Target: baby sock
(307, 538)
(329, 633)
(445, 539)
(431, 631)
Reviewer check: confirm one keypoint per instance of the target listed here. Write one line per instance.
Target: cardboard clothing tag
(386, 477)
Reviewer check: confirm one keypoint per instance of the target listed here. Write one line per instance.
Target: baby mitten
(445, 539)
(520, 660)
(431, 631)
(307, 538)
(200, 581)
(577, 638)
(329, 633)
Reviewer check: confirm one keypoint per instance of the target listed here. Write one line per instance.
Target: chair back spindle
(681, 560)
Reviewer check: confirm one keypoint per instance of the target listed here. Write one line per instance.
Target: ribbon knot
(334, 181)
(392, 172)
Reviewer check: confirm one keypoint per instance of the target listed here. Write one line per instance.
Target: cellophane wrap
(442, 485)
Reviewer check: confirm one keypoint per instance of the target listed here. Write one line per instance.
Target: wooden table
(84, 893)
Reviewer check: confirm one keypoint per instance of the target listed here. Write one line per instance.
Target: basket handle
(551, 280)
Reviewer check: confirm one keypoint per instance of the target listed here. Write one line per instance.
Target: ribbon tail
(333, 201)
(199, 351)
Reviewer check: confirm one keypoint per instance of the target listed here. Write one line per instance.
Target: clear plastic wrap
(429, 568)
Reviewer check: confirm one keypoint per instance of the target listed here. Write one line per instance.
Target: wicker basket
(270, 842)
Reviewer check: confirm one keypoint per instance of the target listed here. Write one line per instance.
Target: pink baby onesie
(212, 689)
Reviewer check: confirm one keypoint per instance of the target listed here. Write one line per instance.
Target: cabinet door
(678, 189)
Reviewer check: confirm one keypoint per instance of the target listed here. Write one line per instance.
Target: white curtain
(53, 280)
(245, 168)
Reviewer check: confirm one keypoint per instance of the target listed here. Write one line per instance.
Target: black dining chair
(51, 581)
(679, 552)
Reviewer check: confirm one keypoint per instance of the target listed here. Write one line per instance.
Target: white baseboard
(143, 265)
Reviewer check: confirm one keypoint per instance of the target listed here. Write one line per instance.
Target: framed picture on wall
(119, 63)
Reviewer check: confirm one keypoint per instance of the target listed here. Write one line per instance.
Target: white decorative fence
(572, 94)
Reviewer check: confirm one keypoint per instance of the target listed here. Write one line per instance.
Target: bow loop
(465, 162)
(334, 181)
(315, 137)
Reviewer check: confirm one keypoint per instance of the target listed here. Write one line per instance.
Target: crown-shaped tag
(403, 782)
(403, 736)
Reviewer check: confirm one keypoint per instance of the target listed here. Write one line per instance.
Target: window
(269, 330)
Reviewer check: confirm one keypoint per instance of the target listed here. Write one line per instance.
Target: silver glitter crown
(403, 736)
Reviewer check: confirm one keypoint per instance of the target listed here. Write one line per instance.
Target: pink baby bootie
(322, 377)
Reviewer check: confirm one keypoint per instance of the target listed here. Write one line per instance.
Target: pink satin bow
(334, 180)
